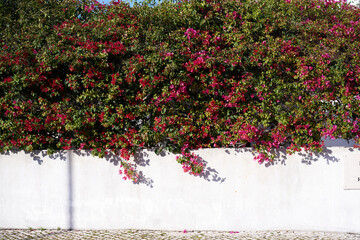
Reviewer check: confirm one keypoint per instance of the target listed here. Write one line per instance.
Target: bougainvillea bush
(179, 76)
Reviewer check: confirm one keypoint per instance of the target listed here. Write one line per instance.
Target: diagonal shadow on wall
(70, 192)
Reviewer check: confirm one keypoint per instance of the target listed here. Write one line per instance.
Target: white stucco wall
(354, 2)
(74, 190)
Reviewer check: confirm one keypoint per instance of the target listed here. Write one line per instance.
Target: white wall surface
(78, 191)
(354, 2)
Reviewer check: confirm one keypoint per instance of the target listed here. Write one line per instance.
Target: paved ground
(183, 235)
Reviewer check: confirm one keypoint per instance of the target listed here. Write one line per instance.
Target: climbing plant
(179, 76)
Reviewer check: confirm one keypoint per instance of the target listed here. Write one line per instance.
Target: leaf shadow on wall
(33, 154)
(39, 155)
(209, 174)
(139, 159)
(58, 155)
(307, 158)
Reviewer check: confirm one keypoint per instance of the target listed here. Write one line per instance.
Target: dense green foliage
(178, 76)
